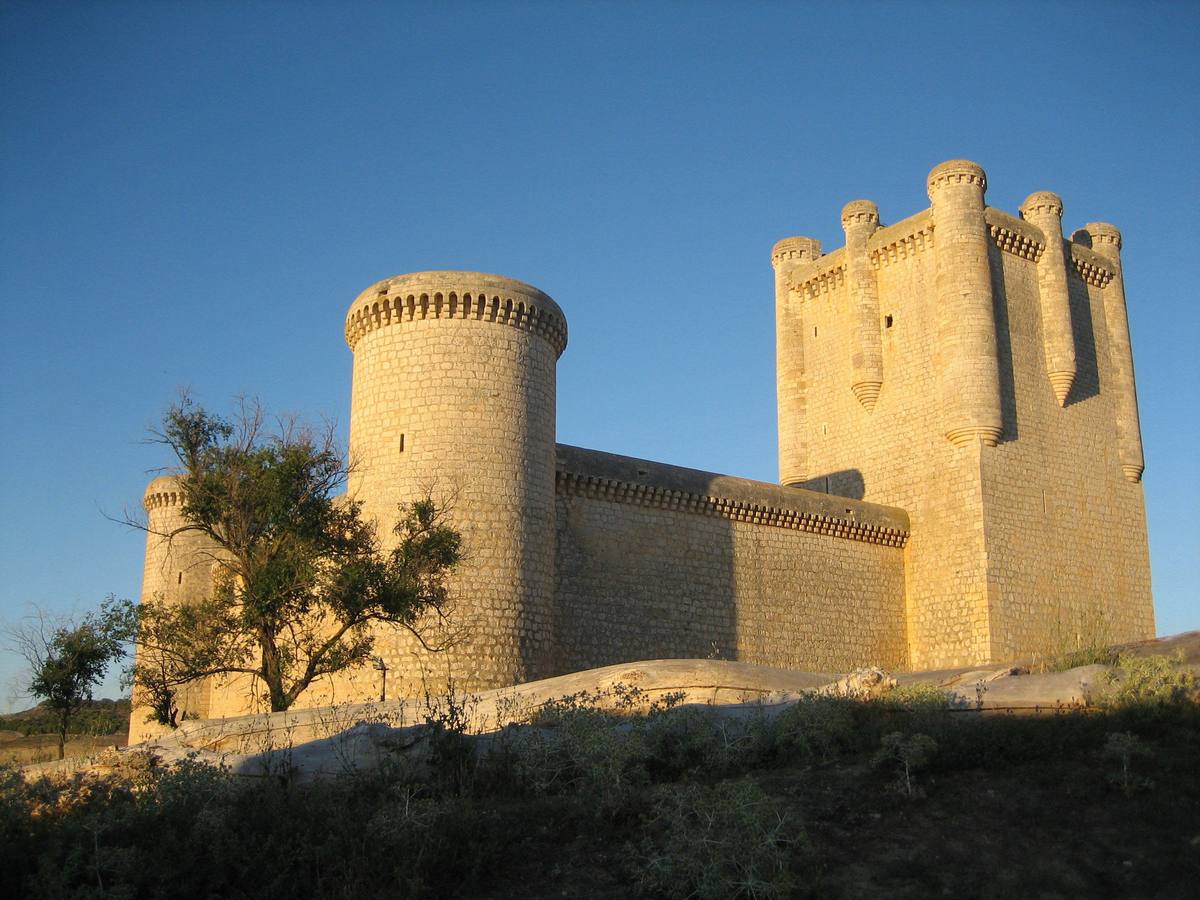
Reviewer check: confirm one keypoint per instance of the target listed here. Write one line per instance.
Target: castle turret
(178, 569)
(454, 394)
(966, 359)
(786, 256)
(860, 219)
(1045, 210)
(1106, 240)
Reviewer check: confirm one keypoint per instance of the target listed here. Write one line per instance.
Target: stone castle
(959, 452)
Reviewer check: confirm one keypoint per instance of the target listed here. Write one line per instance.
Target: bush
(1122, 747)
(906, 754)
(587, 752)
(1149, 683)
(717, 842)
(919, 695)
(815, 728)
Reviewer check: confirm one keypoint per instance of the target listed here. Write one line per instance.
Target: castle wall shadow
(1087, 370)
(1008, 385)
(847, 483)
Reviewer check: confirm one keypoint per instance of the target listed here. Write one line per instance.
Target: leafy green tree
(301, 578)
(68, 659)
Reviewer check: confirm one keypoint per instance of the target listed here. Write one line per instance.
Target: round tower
(860, 220)
(454, 396)
(966, 360)
(786, 256)
(1045, 210)
(178, 569)
(1106, 240)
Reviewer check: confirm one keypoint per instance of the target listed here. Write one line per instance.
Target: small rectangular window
(887, 321)
(401, 443)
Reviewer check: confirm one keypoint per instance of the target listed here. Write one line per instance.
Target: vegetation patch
(898, 796)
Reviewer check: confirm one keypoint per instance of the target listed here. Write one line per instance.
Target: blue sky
(191, 194)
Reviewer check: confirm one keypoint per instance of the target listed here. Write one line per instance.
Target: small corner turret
(860, 220)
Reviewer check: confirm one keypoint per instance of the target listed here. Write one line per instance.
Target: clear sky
(191, 194)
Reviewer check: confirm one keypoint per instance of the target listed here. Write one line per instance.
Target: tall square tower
(974, 368)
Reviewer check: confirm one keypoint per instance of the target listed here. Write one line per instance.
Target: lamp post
(379, 664)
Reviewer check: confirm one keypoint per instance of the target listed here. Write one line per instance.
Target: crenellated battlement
(822, 276)
(956, 172)
(1103, 236)
(1042, 203)
(623, 479)
(905, 239)
(858, 213)
(957, 228)
(456, 295)
(795, 251)
(162, 492)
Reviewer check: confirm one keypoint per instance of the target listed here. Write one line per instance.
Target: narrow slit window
(814, 331)
(401, 443)
(180, 581)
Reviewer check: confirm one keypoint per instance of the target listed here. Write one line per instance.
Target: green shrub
(452, 757)
(1080, 638)
(587, 752)
(1123, 747)
(1149, 683)
(722, 841)
(906, 754)
(919, 695)
(815, 728)
(697, 740)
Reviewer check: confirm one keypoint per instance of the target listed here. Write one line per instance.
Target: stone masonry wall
(1066, 531)
(177, 570)
(897, 453)
(1027, 546)
(454, 393)
(655, 561)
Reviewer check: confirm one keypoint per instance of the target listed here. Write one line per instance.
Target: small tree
(300, 576)
(905, 754)
(68, 659)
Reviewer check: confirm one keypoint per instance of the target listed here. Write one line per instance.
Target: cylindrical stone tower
(1106, 240)
(1045, 210)
(966, 358)
(178, 569)
(790, 383)
(860, 219)
(454, 395)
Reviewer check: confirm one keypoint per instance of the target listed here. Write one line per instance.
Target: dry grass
(21, 750)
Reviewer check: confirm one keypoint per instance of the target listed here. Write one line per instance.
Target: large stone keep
(959, 453)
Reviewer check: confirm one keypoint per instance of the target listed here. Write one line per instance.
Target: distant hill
(96, 717)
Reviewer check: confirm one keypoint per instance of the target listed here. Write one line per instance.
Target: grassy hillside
(31, 735)
(96, 717)
(899, 796)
